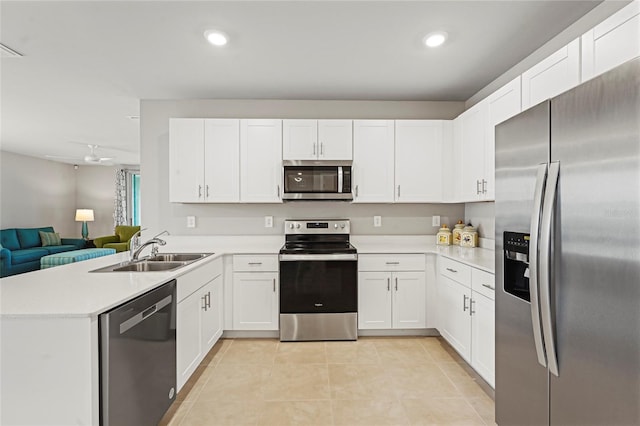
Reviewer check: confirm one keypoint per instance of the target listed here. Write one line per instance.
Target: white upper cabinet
(552, 76)
(204, 160)
(260, 160)
(471, 161)
(418, 160)
(221, 161)
(612, 42)
(373, 161)
(186, 164)
(317, 140)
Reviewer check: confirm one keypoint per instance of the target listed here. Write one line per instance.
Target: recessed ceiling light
(435, 39)
(215, 37)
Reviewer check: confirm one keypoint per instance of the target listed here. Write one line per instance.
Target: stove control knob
(342, 225)
(335, 225)
(291, 226)
(297, 226)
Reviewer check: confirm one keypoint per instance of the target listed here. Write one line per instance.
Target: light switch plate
(435, 221)
(268, 221)
(191, 221)
(377, 221)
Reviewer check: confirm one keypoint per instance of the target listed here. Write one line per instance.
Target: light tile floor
(374, 381)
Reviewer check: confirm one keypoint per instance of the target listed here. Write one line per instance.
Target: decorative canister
(469, 237)
(457, 232)
(443, 238)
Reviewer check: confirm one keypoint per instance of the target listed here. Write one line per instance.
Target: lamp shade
(84, 215)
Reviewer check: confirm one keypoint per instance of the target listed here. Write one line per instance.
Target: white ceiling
(87, 64)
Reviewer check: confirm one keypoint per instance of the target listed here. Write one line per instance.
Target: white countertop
(71, 291)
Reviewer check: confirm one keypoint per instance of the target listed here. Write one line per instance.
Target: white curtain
(120, 212)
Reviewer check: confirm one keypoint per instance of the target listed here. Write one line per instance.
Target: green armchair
(120, 241)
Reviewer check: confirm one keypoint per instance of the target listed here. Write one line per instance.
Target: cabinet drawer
(193, 280)
(456, 271)
(391, 262)
(483, 283)
(252, 262)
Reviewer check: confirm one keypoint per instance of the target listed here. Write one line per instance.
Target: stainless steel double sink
(156, 263)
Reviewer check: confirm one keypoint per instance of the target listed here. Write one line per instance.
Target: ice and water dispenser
(516, 264)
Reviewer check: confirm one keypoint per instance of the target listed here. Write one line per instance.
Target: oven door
(314, 283)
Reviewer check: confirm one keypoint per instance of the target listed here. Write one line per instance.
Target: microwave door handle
(340, 179)
(538, 194)
(546, 239)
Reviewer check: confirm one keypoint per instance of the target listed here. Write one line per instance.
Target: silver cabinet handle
(538, 192)
(484, 186)
(356, 191)
(207, 190)
(464, 302)
(314, 149)
(255, 263)
(548, 211)
(274, 285)
(388, 284)
(204, 302)
(208, 299)
(392, 263)
(199, 191)
(398, 191)
(477, 187)
(452, 270)
(278, 190)
(321, 149)
(489, 286)
(471, 310)
(396, 283)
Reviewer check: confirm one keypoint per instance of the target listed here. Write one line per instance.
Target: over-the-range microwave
(317, 180)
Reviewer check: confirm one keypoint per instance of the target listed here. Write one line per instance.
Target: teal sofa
(21, 249)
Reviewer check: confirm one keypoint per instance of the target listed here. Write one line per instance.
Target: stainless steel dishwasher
(138, 359)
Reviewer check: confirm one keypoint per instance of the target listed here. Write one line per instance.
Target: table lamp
(84, 216)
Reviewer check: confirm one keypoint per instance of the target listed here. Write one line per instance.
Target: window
(134, 197)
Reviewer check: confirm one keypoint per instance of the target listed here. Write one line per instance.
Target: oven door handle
(311, 257)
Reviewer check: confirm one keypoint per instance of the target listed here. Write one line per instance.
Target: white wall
(95, 190)
(36, 193)
(218, 219)
(482, 216)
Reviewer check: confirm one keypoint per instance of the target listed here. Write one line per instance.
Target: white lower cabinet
(467, 314)
(199, 317)
(389, 297)
(255, 292)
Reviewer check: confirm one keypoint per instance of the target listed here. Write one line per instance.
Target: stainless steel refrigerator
(568, 257)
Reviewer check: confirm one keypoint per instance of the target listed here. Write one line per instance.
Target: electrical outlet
(435, 221)
(377, 221)
(191, 221)
(268, 221)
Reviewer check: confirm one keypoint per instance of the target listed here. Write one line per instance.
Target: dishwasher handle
(147, 313)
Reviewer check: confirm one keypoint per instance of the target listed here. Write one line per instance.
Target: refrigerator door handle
(538, 194)
(548, 211)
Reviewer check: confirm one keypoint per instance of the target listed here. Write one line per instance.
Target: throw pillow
(50, 239)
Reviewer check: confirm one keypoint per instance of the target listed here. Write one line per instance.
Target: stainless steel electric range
(318, 281)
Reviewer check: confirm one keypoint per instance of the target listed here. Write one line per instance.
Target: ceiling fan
(91, 158)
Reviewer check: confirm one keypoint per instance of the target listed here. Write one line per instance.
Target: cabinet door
(418, 158)
(612, 42)
(260, 161)
(255, 301)
(211, 314)
(374, 300)
(503, 104)
(222, 160)
(455, 319)
(189, 349)
(474, 125)
(335, 139)
(552, 76)
(484, 338)
(186, 165)
(300, 139)
(409, 302)
(373, 161)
